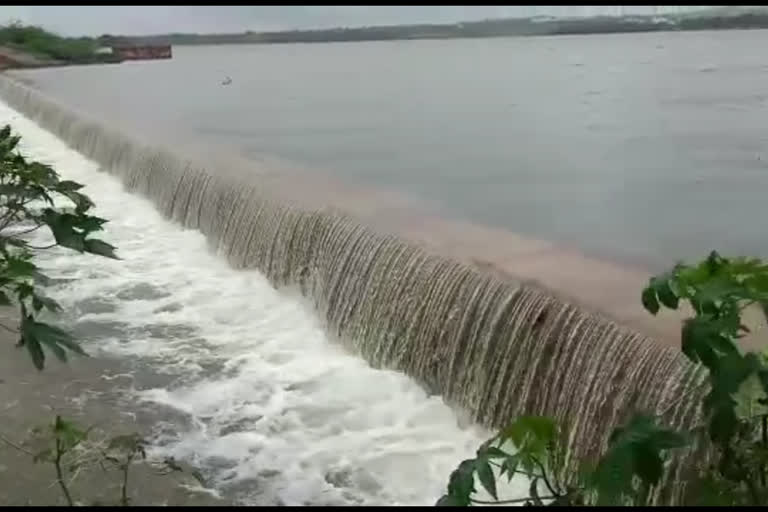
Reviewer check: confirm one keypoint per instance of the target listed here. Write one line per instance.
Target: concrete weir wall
(487, 343)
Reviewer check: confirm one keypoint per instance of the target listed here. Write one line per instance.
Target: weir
(488, 344)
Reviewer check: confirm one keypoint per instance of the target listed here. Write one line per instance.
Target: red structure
(142, 52)
(7, 62)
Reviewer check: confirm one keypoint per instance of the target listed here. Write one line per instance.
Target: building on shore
(136, 48)
(142, 52)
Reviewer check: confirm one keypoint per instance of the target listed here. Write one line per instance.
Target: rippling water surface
(640, 147)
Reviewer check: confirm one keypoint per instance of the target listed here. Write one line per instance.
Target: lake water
(639, 147)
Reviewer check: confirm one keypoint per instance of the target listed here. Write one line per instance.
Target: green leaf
(650, 303)
(536, 430)
(732, 370)
(101, 248)
(667, 439)
(461, 483)
(449, 500)
(492, 452)
(635, 449)
(68, 186)
(39, 302)
(509, 466)
(723, 423)
(62, 227)
(35, 334)
(34, 349)
(699, 337)
(613, 475)
(68, 433)
(19, 268)
(57, 350)
(485, 475)
(648, 464)
(663, 288)
(24, 290)
(90, 224)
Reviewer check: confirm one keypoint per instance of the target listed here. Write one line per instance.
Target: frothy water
(280, 414)
(492, 345)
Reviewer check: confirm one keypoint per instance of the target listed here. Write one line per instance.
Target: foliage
(533, 446)
(29, 192)
(40, 42)
(121, 451)
(62, 439)
(718, 291)
(72, 449)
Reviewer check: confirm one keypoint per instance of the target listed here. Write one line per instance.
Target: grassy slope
(34, 46)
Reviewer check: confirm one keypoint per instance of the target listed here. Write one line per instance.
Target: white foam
(318, 425)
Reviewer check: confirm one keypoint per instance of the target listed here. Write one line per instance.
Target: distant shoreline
(509, 27)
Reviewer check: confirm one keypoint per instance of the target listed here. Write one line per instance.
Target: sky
(155, 19)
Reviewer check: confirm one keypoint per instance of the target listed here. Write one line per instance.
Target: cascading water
(494, 347)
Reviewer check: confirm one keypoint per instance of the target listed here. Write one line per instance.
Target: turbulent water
(489, 345)
(280, 414)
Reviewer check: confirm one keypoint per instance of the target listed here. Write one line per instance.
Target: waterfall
(488, 344)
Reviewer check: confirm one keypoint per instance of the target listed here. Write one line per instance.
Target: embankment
(486, 342)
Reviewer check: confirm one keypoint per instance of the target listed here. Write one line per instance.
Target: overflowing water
(279, 412)
(488, 345)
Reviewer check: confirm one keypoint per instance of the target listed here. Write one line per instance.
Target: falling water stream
(280, 414)
(307, 407)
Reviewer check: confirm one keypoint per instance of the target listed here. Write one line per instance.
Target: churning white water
(279, 411)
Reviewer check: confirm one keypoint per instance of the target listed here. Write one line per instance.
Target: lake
(641, 148)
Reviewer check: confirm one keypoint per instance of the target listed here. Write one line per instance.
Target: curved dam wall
(488, 344)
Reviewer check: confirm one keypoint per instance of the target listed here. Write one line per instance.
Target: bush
(42, 43)
(28, 191)
(718, 290)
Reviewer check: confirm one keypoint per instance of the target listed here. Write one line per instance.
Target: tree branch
(544, 476)
(15, 331)
(26, 232)
(14, 445)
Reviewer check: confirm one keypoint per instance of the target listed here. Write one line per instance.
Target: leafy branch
(30, 194)
(718, 290)
(71, 449)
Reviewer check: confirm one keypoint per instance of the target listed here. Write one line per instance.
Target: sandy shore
(90, 391)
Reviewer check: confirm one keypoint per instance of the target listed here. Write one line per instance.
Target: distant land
(746, 17)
